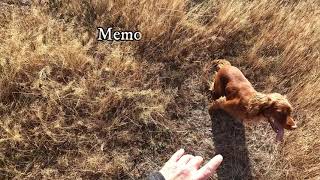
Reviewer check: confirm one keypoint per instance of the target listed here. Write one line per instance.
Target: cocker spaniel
(233, 93)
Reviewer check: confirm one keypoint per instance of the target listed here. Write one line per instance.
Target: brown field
(72, 107)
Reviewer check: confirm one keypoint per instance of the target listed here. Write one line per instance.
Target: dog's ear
(267, 105)
(259, 104)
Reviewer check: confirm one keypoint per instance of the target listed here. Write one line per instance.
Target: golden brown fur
(233, 93)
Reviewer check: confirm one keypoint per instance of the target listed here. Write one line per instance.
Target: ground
(72, 107)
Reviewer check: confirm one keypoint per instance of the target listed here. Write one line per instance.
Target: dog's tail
(219, 63)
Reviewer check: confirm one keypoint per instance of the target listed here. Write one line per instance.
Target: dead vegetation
(74, 107)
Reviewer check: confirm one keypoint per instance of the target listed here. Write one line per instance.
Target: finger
(207, 170)
(176, 156)
(184, 160)
(195, 162)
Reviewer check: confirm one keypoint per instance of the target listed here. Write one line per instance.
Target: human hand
(187, 167)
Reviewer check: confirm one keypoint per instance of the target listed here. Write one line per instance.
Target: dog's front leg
(216, 104)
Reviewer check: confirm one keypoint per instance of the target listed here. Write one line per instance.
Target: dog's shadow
(229, 139)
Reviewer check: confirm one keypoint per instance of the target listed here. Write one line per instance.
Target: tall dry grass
(74, 107)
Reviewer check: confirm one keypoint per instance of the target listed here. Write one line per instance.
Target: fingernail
(220, 156)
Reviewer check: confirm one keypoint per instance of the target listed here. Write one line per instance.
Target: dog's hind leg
(216, 88)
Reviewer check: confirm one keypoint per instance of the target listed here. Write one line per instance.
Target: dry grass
(74, 107)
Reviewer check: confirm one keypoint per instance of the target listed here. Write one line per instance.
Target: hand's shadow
(230, 141)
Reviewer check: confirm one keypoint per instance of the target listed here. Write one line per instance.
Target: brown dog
(233, 93)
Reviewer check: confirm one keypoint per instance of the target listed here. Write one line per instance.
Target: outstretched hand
(187, 167)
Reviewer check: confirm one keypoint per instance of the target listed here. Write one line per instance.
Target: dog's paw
(216, 104)
(221, 100)
(212, 107)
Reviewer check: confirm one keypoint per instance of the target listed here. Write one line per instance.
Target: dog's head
(277, 109)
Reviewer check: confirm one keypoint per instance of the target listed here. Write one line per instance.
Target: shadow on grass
(230, 141)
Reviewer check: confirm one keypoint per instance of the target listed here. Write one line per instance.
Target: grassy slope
(72, 107)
